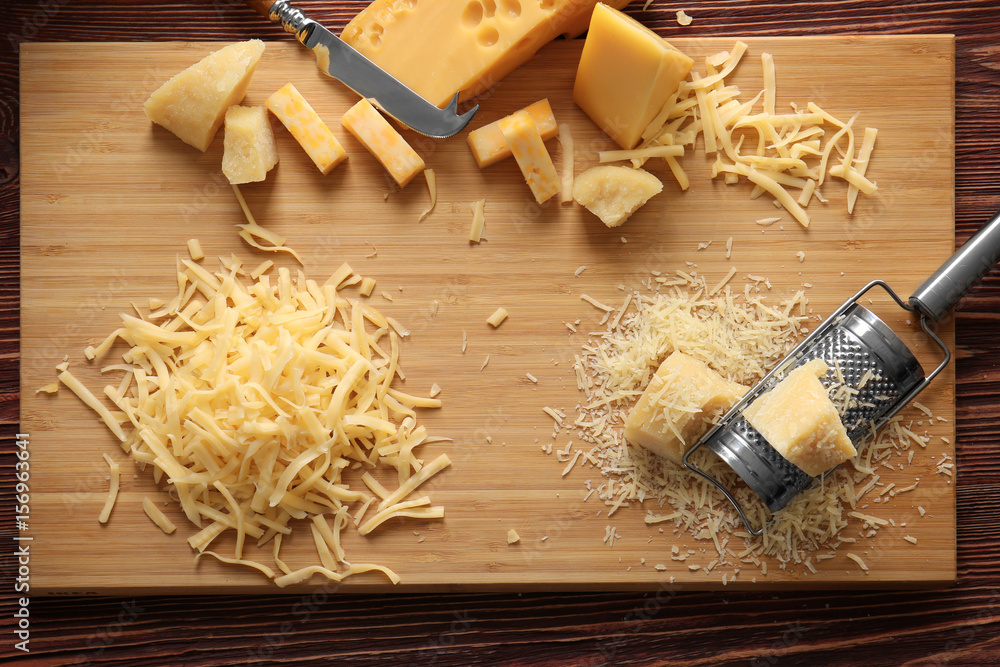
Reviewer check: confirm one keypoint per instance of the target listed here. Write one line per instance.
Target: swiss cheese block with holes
(440, 47)
(800, 421)
(681, 402)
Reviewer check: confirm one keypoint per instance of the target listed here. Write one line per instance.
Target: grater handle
(949, 283)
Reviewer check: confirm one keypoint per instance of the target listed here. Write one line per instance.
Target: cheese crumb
(683, 18)
(498, 316)
(194, 249)
(512, 536)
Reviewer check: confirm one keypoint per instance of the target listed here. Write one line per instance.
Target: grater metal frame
(824, 329)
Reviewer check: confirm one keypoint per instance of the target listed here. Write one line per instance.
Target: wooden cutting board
(109, 201)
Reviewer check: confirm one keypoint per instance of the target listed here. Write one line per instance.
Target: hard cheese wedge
(800, 421)
(250, 151)
(441, 47)
(488, 145)
(613, 193)
(528, 149)
(680, 403)
(307, 127)
(193, 103)
(381, 140)
(626, 74)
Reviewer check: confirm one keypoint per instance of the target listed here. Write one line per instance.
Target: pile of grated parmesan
(250, 401)
(740, 336)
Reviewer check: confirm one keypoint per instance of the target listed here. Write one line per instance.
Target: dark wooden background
(956, 626)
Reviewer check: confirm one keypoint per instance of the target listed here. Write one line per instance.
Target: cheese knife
(342, 62)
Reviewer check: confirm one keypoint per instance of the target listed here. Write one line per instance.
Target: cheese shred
(249, 401)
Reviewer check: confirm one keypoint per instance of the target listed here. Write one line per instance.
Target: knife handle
(262, 7)
(293, 20)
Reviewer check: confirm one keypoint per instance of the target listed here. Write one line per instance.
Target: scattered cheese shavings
(432, 189)
(157, 516)
(478, 221)
(857, 559)
(109, 503)
(251, 231)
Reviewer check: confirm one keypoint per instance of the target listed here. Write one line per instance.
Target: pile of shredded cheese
(249, 401)
(740, 336)
(782, 151)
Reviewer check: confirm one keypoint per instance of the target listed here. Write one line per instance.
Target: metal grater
(856, 344)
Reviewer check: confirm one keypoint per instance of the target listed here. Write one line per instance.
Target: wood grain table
(958, 625)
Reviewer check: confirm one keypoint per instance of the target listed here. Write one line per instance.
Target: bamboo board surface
(108, 202)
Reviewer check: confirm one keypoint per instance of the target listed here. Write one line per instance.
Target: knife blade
(341, 61)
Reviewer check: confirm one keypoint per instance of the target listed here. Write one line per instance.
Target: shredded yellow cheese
(432, 189)
(157, 516)
(249, 401)
(774, 151)
(478, 221)
(112, 490)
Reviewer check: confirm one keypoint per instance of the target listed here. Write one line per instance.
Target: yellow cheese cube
(488, 145)
(613, 193)
(528, 149)
(626, 74)
(193, 103)
(800, 421)
(381, 140)
(682, 401)
(250, 151)
(303, 123)
(441, 47)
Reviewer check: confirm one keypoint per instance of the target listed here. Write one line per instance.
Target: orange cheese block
(800, 421)
(250, 151)
(193, 103)
(681, 402)
(383, 141)
(626, 74)
(302, 121)
(440, 47)
(528, 149)
(488, 145)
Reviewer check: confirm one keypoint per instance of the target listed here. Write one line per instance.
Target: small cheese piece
(613, 193)
(302, 121)
(488, 145)
(513, 537)
(466, 46)
(157, 516)
(193, 103)
(250, 151)
(680, 403)
(626, 74)
(528, 149)
(498, 316)
(800, 421)
(478, 221)
(383, 141)
(194, 249)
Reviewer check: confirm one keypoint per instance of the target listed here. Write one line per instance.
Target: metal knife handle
(292, 19)
(949, 283)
